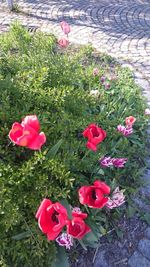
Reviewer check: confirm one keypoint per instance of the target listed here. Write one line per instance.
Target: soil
(113, 251)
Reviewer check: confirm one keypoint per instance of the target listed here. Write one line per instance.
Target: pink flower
(95, 71)
(116, 162)
(116, 200)
(120, 128)
(119, 162)
(106, 162)
(124, 130)
(128, 131)
(103, 79)
(107, 86)
(27, 133)
(147, 111)
(65, 240)
(63, 42)
(65, 27)
(76, 209)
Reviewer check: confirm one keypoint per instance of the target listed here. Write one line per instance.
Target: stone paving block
(141, 204)
(147, 232)
(137, 260)
(100, 260)
(143, 83)
(144, 248)
(145, 191)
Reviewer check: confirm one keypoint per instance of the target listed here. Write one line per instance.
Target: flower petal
(15, 132)
(37, 142)
(51, 235)
(31, 121)
(91, 146)
(101, 185)
(44, 222)
(44, 205)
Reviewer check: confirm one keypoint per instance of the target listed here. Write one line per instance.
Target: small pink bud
(103, 79)
(63, 42)
(65, 27)
(107, 86)
(95, 72)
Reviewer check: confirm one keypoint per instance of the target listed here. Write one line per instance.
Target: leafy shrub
(38, 78)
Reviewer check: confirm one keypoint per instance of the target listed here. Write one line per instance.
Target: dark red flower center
(55, 217)
(94, 195)
(95, 132)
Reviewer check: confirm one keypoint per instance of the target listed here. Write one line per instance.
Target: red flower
(63, 42)
(65, 27)
(51, 218)
(77, 226)
(130, 121)
(95, 136)
(94, 195)
(27, 133)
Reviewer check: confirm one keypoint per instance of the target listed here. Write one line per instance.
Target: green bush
(38, 78)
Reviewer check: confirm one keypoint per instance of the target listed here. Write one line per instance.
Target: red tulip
(77, 227)
(63, 42)
(27, 133)
(94, 195)
(95, 136)
(130, 121)
(76, 212)
(51, 218)
(65, 27)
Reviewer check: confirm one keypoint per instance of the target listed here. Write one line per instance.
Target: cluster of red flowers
(52, 217)
(64, 41)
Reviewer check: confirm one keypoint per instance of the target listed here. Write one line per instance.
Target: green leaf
(65, 203)
(146, 217)
(131, 211)
(90, 237)
(103, 230)
(62, 259)
(119, 233)
(53, 151)
(82, 244)
(22, 235)
(100, 171)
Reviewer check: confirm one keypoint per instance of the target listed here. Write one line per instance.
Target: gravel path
(120, 28)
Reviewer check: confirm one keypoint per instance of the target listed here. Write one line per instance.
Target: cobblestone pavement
(120, 28)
